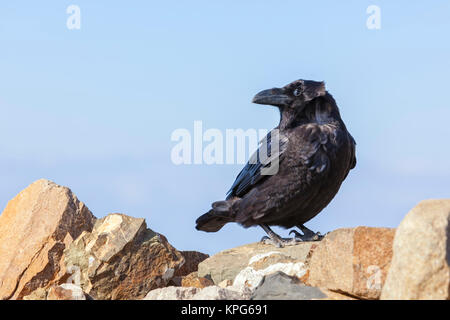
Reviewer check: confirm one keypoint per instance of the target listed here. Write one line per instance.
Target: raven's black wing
(261, 165)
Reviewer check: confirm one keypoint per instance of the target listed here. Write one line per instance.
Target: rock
(35, 228)
(264, 264)
(193, 280)
(332, 295)
(420, 265)
(38, 294)
(191, 293)
(225, 283)
(192, 259)
(175, 282)
(66, 291)
(218, 293)
(352, 261)
(228, 263)
(172, 293)
(121, 259)
(280, 286)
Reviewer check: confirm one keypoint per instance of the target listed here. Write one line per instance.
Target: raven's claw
(276, 240)
(307, 235)
(279, 243)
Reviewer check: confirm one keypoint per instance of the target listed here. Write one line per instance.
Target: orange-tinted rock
(193, 280)
(352, 261)
(35, 228)
(121, 259)
(38, 294)
(65, 291)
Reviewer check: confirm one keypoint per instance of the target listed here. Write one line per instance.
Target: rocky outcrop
(121, 259)
(35, 228)
(352, 261)
(53, 248)
(420, 265)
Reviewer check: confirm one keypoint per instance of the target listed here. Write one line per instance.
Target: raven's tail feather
(220, 214)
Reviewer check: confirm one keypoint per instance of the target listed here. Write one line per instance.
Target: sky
(94, 108)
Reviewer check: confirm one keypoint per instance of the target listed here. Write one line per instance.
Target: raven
(315, 153)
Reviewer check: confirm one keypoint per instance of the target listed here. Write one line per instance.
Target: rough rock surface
(420, 265)
(218, 293)
(191, 293)
(38, 294)
(66, 291)
(352, 261)
(172, 293)
(264, 264)
(191, 261)
(225, 283)
(226, 265)
(35, 228)
(193, 280)
(280, 286)
(121, 259)
(53, 248)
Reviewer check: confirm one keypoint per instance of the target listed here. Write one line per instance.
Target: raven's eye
(297, 92)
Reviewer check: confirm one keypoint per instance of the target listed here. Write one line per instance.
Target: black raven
(315, 153)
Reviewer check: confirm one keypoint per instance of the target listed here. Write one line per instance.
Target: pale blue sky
(93, 109)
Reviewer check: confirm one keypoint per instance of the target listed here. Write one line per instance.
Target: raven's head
(293, 96)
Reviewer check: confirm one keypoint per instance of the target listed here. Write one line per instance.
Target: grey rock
(279, 286)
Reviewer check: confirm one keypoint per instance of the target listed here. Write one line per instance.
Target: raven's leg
(308, 235)
(275, 239)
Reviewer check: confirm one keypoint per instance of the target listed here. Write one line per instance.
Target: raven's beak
(274, 97)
